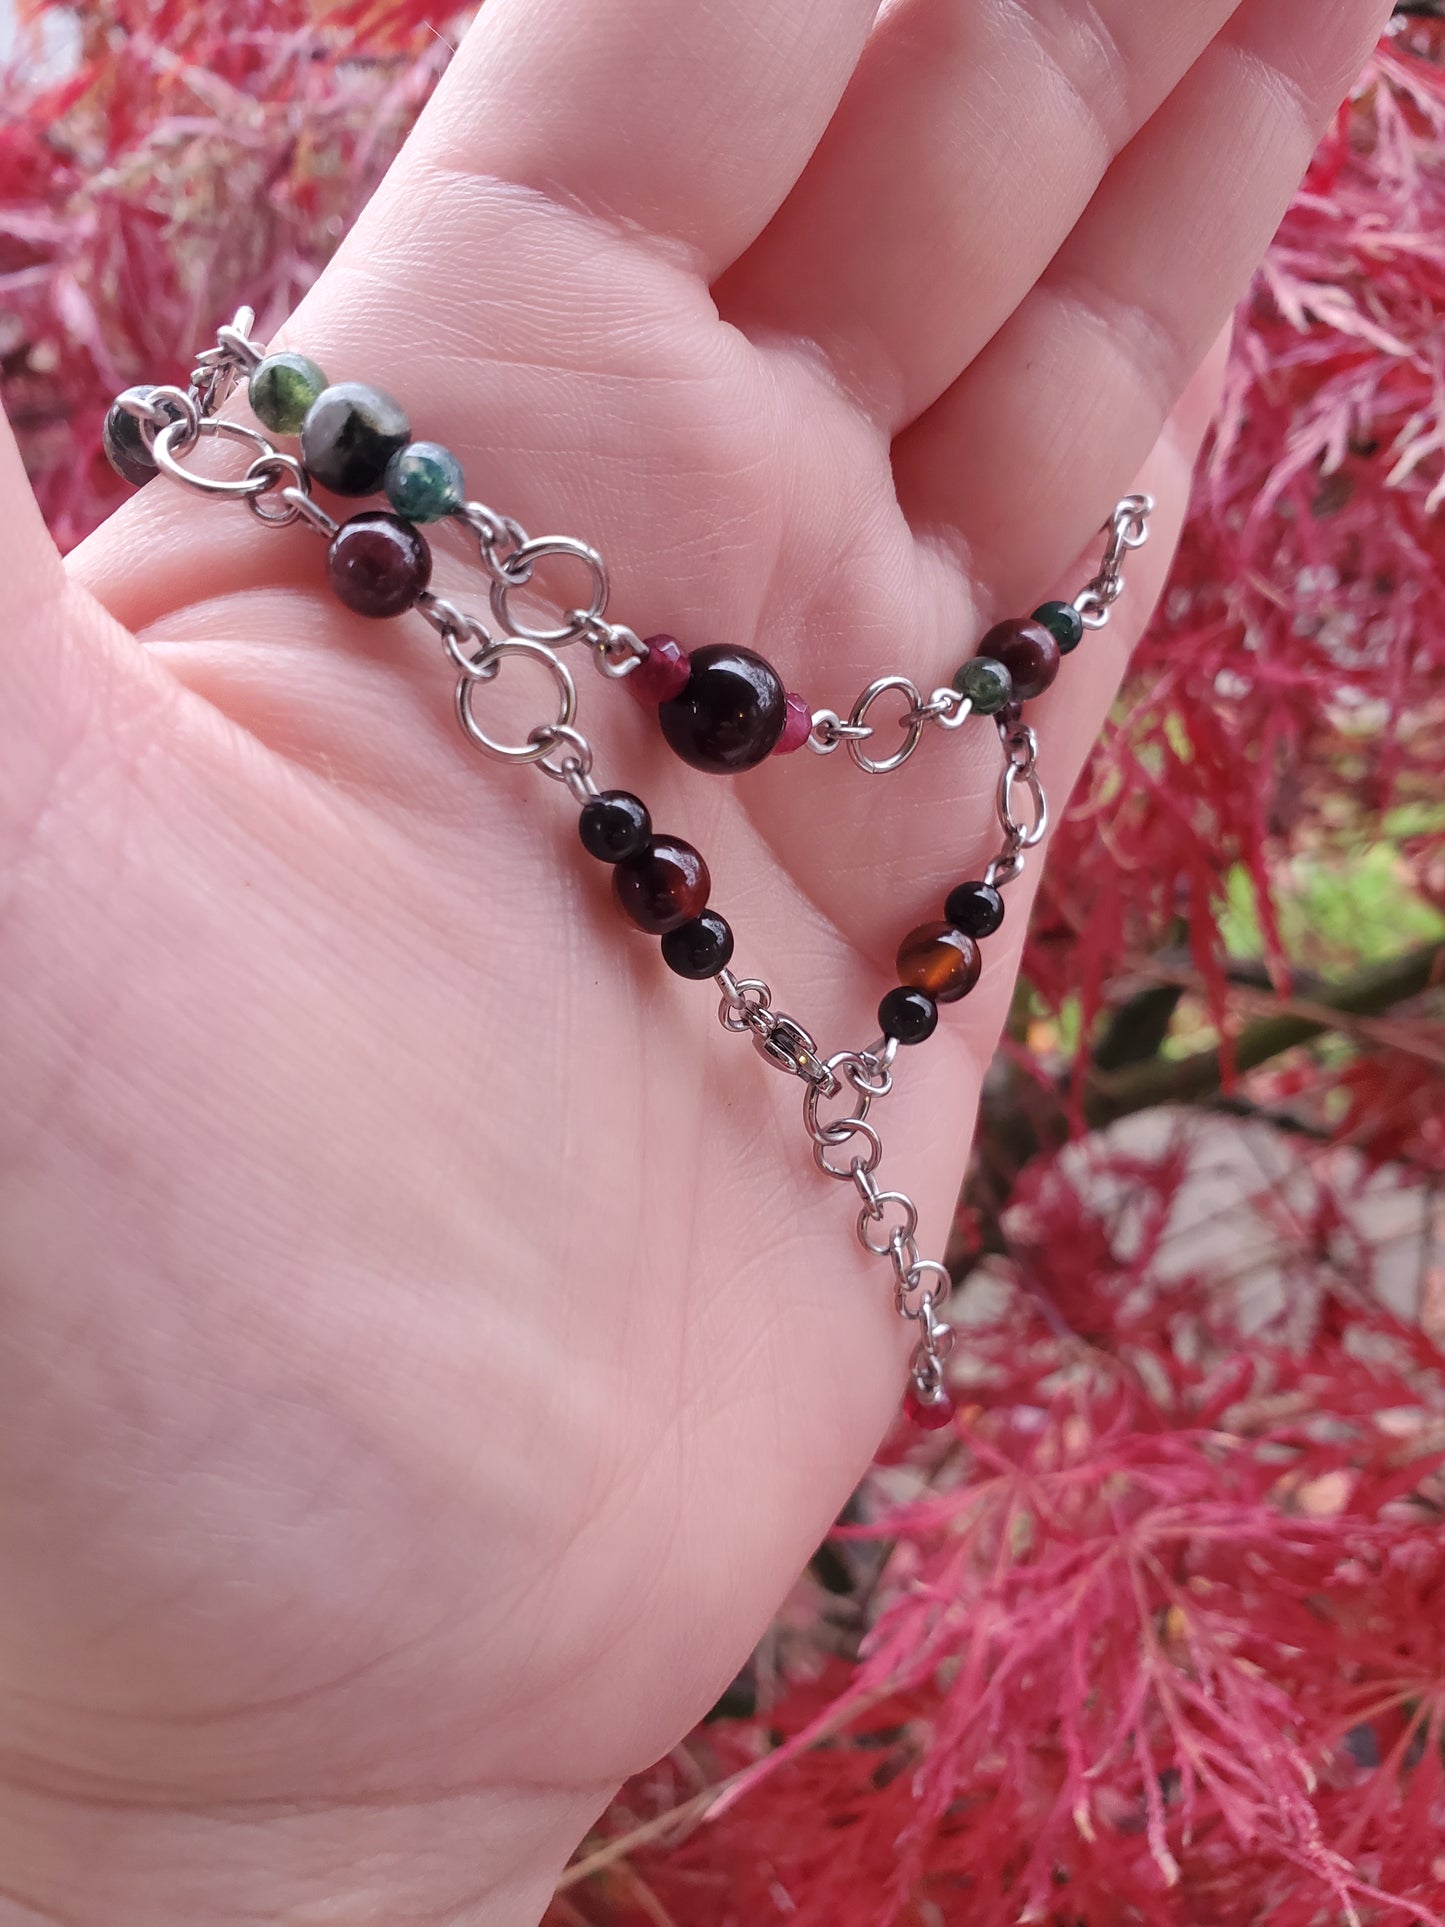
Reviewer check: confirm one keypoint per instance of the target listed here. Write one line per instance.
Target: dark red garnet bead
(699, 948)
(378, 565)
(730, 714)
(661, 673)
(664, 885)
(931, 1414)
(1029, 653)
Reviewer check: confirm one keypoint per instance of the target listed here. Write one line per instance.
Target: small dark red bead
(931, 1415)
(377, 564)
(665, 885)
(1029, 653)
(731, 713)
(797, 729)
(661, 672)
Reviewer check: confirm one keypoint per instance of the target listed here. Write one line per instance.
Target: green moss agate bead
(1064, 624)
(424, 482)
(283, 387)
(986, 683)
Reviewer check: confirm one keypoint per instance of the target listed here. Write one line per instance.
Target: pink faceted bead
(662, 672)
(797, 729)
(930, 1415)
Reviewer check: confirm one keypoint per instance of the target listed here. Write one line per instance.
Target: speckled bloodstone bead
(907, 1014)
(1029, 653)
(1064, 624)
(661, 673)
(377, 564)
(424, 482)
(796, 729)
(930, 1414)
(974, 908)
(699, 948)
(664, 885)
(125, 445)
(350, 433)
(614, 826)
(730, 713)
(282, 390)
(986, 683)
(940, 960)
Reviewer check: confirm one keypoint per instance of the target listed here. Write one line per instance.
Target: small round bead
(424, 482)
(661, 673)
(282, 390)
(987, 685)
(614, 826)
(730, 714)
(665, 884)
(699, 948)
(377, 564)
(123, 442)
(350, 433)
(974, 908)
(929, 1414)
(796, 729)
(1064, 624)
(1029, 653)
(907, 1014)
(940, 960)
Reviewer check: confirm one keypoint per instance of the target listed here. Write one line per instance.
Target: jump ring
(525, 559)
(531, 751)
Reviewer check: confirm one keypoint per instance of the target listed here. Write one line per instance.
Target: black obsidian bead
(664, 885)
(614, 826)
(909, 1015)
(124, 444)
(700, 948)
(377, 564)
(729, 713)
(974, 908)
(350, 433)
(1064, 624)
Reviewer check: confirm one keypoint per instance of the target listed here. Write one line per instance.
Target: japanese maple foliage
(1156, 1632)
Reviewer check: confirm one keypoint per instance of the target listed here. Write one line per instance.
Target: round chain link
(517, 572)
(531, 751)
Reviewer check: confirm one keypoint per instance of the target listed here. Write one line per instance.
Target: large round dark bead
(729, 713)
(940, 960)
(699, 948)
(1029, 653)
(350, 433)
(614, 826)
(664, 885)
(909, 1015)
(1064, 624)
(125, 445)
(377, 564)
(974, 908)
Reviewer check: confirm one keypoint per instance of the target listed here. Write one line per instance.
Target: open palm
(428, 1350)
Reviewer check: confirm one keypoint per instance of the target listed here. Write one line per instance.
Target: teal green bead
(424, 482)
(987, 685)
(282, 388)
(1064, 624)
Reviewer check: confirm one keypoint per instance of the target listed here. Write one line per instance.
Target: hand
(429, 1351)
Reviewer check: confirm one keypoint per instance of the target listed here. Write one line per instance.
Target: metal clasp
(788, 1047)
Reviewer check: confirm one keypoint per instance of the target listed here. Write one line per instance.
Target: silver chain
(847, 1146)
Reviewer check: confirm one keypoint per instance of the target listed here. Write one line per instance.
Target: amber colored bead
(700, 947)
(377, 564)
(974, 908)
(1029, 653)
(908, 1015)
(940, 960)
(664, 885)
(729, 714)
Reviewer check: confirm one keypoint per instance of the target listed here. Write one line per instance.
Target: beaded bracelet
(723, 709)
